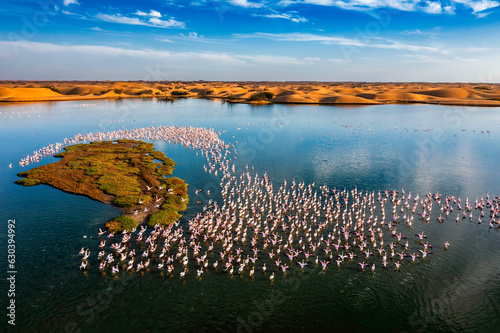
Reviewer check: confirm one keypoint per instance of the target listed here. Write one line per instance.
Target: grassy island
(124, 173)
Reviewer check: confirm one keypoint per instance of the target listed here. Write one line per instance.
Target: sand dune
(265, 92)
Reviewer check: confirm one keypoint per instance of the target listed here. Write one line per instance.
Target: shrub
(29, 172)
(178, 202)
(483, 88)
(164, 217)
(132, 200)
(120, 223)
(177, 185)
(118, 91)
(159, 155)
(28, 182)
(165, 170)
(145, 92)
(179, 93)
(118, 184)
(261, 96)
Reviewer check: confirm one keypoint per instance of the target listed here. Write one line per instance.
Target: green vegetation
(209, 92)
(145, 92)
(118, 91)
(30, 172)
(120, 223)
(483, 88)
(179, 202)
(179, 93)
(165, 170)
(164, 217)
(27, 182)
(261, 96)
(132, 200)
(123, 173)
(177, 185)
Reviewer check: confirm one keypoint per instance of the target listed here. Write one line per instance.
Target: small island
(124, 173)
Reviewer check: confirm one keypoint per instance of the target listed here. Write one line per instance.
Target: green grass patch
(120, 223)
(28, 182)
(118, 185)
(164, 217)
(178, 186)
(29, 172)
(132, 200)
(165, 170)
(178, 202)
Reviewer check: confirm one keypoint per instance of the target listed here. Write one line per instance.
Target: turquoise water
(421, 148)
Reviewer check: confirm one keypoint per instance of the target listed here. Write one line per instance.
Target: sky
(239, 40)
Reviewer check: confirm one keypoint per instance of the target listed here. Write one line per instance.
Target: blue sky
(320, 40)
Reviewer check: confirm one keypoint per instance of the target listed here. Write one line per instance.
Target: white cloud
(373, 42)
(46, 61)
(99, 51)
(449, 10)
(292, 16)
(478, 6)
(70, 2)
(428, 59)
(245, 4)
(153, 20)
(430, 7)
(97, 29)
(412, 32)
(152, 13)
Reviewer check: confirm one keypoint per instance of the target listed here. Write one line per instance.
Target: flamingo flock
(260, 229)
(197, 138)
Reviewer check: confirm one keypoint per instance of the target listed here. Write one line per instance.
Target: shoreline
(257, 93)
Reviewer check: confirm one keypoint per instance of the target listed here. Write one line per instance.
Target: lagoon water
(420, 148)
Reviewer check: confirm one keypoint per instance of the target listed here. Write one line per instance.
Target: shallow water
(420, 148)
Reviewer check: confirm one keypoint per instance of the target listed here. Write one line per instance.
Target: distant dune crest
(342, 93)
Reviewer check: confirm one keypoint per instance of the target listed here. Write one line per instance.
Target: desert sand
(341, 93)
